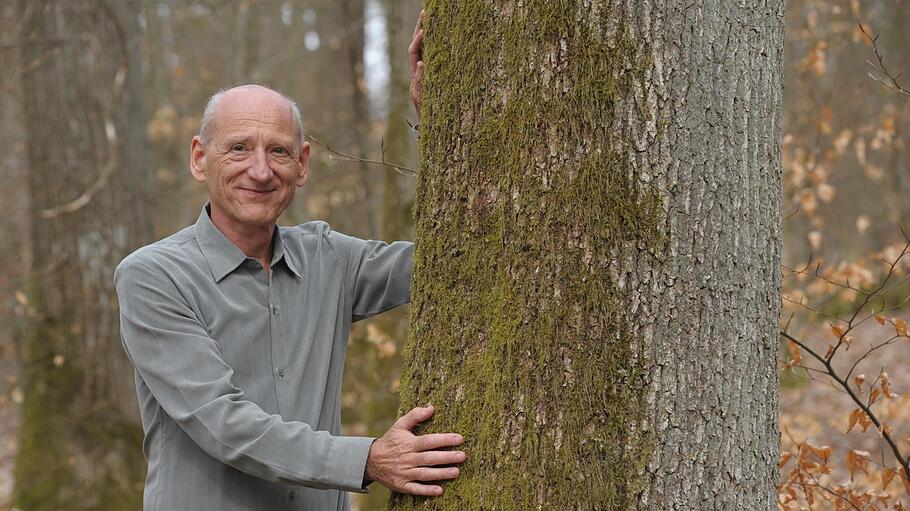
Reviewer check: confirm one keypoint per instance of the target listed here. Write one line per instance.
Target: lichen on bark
(524, 196)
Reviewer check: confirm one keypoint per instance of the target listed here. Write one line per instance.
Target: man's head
(251, 154)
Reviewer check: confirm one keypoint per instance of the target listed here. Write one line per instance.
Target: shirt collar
(221, 253)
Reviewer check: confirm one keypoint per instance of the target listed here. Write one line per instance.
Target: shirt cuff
(348, 459)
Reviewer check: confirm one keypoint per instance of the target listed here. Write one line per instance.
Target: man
(237, 330)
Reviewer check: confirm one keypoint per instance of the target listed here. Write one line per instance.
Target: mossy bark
(80, 439)
(596, 288)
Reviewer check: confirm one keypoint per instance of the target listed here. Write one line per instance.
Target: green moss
(72, 454)
(524, 196)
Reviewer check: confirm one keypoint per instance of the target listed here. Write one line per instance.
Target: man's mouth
(252, 192)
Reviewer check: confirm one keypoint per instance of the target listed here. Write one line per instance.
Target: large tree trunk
(596, 291)
(91, 182)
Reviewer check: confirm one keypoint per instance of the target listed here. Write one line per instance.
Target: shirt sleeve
(380, 276)
(185, 372)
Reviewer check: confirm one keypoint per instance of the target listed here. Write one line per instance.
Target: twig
(866, 408)
(888, 81)
(348, 157)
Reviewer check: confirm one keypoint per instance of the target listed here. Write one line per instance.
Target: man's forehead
(255, 100)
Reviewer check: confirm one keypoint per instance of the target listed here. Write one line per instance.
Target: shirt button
(292, 494)
(274, 310)
(281, 373)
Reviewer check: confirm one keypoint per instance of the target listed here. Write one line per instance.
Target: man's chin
(255, 214)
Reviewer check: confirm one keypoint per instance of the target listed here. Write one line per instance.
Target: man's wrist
(366, 479)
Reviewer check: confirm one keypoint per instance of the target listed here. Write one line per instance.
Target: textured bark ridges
(524, 197)
(596, 278)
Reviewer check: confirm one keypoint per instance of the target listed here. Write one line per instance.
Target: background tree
(596, 287)
(90, 183)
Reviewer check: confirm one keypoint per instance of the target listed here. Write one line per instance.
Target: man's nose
(259, 167)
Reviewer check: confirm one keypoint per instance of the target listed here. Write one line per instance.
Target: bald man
(237, 329)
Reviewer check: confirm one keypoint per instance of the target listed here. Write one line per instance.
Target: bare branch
(348, 157)
(887, 80)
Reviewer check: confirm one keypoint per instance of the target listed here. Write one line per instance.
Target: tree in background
(90, 181)
(596, 288)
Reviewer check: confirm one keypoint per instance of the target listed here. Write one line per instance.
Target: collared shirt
(238, 369)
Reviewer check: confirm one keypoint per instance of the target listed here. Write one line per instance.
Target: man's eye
(238, 147)
(280, 150)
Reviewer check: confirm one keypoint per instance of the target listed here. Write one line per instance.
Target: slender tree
(596, 292)
(90, 182)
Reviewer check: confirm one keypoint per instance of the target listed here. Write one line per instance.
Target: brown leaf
(881, 319)
(795, 353)
(822, 452)
(859, 379)
(838, 330)
(886, 386)
(829, 352)
(887, 476)
(857, 460)
(785, 458)
(876, 393)
(858, 416)
(900, 327)
(905, 480)
(853, 419)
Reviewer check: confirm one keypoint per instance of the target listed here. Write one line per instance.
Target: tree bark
(79, 446)
(596, 291)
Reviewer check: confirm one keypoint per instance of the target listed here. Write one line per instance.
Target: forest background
(846, 126)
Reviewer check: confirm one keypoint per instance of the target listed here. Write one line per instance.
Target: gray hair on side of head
(212, 107)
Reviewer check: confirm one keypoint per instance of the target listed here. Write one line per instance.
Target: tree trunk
(90, 180)
(596, 290)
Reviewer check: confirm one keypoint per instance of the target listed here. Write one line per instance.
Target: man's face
(253, 160)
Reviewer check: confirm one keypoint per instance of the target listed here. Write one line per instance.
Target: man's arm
(380, 275)
(184, 370)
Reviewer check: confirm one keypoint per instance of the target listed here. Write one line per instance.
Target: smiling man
(237, 329)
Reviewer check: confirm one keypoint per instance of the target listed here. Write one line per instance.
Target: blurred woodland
(120, 95)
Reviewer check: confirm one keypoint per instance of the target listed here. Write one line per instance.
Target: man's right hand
(401, 460)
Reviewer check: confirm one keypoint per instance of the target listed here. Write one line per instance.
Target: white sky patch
(376, 58)
(311, 40)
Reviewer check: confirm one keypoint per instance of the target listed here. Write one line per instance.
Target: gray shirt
(238, 370)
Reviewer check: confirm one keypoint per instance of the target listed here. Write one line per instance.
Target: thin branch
(821, 487)
(866, 408)
(348, 157)
(888, 80)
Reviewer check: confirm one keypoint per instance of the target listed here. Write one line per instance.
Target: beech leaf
(838, 330)
(887, 476)
(900, 327)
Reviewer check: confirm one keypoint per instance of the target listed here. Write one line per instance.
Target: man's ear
(304, 160)
(197, 159)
